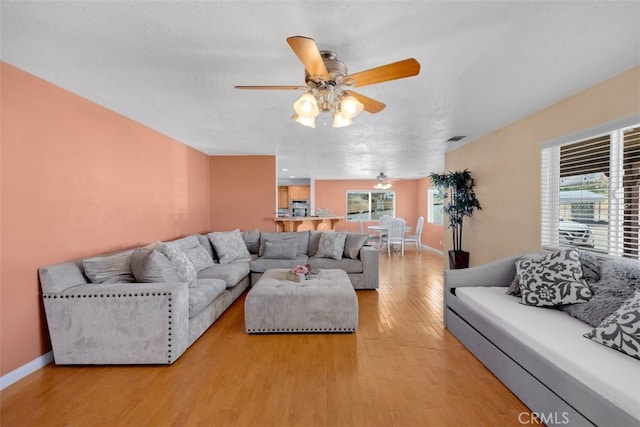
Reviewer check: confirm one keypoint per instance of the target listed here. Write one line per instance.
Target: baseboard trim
(24, 370)
(429, 248)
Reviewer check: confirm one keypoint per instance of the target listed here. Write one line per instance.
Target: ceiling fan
(328, 84)
(383, 182)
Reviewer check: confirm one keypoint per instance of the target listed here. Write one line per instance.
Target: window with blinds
(590, 193)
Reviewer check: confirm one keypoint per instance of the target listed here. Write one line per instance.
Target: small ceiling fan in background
(328, 84)
(382, 182)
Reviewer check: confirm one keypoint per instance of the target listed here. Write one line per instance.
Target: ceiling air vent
(455, 138)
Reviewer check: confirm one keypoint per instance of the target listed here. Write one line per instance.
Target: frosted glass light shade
(306, 121)
(350, 107)
(306, 106)
(340, 121)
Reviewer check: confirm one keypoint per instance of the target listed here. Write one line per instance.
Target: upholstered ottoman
(327, 303)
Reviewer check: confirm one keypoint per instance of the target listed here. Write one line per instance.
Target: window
(590, 192)
(434, 206)
(370, 205)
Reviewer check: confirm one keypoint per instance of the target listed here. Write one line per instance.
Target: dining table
(382, 228)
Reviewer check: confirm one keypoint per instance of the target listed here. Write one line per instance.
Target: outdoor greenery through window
(590, 193)
(435, 200)
(369, 205)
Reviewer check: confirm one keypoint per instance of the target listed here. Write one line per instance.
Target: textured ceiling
(173, 65)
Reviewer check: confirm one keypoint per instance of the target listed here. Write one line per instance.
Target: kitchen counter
(302, 223)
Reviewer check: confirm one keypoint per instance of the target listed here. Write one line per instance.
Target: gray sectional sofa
(148, 305)
(550, 357)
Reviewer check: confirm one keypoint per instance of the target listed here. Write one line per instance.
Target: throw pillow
(514, 287)
(314, 241)
(181, 264)
(149, 265)
(621, 330)
(280, 250)
(252, 240)
(273, 239)
(331, 245)
(617, 281)
(109, 269)
(229, 246)
(199, 257)
(553, 279)
(353, 243)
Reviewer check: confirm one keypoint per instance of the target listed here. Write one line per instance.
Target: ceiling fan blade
(384, 73)
(272, 87)
(370, 104)
(307, 52)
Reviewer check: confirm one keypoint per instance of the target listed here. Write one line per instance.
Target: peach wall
(506, 166)
(243, 192)
(79, 180)
(332, 195)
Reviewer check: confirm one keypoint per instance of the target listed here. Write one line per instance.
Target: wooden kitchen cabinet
(283, 197)
(299, 192)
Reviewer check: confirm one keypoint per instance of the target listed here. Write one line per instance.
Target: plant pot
(458, 259)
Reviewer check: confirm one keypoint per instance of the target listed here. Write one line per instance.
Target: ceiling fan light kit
(383, 182)
(328, 84)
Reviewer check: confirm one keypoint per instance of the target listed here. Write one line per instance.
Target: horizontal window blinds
(630, 189)
(591, 193)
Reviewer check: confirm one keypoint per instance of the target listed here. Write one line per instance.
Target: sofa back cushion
(149, 265)
(109, 269)
(302, 238)
(353, 244)
(252, 240)
(59, 277)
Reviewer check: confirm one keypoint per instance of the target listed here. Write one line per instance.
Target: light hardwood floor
(401, 368)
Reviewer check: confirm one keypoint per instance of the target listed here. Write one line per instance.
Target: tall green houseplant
(459, 201)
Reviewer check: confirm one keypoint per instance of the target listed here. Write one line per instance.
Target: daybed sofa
(540, 353)
(148, 305)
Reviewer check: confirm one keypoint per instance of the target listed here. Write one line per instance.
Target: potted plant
(459, 201)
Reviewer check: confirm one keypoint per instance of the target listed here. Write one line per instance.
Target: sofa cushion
(621, 330)
(280, 250)
(149, 265)
(206, 244)
(314, 241)
(301, 236)
(353, 243)
(204, 292)
(260, 265)
(347, 264)
(229, 246)
(183, 243)
(617, 281)
(252, 240)
(181, 264)
(331, 244)
(553, 279)
(231, 273)
(109, 269)
(590, 270)
(199, 257)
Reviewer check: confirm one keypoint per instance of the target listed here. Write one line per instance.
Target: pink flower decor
(301, 270)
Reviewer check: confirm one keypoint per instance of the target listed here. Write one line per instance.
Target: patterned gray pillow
(109, 269)
(621, 330)
(181, 264)
(553, 279)
(331, 245)
(199, 257)
(229, 246)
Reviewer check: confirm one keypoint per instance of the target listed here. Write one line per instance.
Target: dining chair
(416, 238)
(395, 234)
(383, 222)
